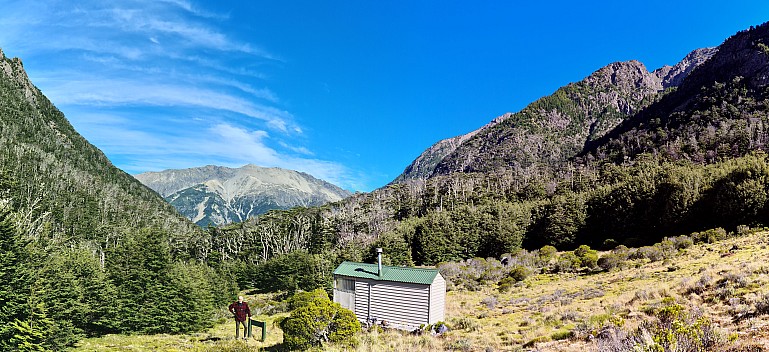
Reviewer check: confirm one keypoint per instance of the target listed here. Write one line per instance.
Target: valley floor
(723, 283)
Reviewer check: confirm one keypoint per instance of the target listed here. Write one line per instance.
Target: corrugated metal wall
(398, 303)
(401, 304)
(361, 300)
(344, 292)
(437, 299)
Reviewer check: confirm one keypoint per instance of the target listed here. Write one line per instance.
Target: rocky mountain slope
(424, 165)
(718, 111)
(701, 170)
(566, 170)
(218, 195)
(555, 128)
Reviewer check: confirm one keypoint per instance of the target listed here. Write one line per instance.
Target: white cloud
(93, 91)
(159, 84)
(222, 144)
(297, 149)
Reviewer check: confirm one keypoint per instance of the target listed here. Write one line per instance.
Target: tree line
(55, 293)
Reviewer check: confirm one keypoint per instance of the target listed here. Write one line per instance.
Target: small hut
(403, 297)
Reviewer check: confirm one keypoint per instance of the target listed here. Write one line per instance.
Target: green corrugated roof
(389, 273)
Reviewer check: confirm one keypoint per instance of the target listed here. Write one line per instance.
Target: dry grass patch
(724, 283)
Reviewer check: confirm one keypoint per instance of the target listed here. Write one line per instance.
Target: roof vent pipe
(379, 261)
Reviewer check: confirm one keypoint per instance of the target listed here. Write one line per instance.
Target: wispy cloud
(160, 84)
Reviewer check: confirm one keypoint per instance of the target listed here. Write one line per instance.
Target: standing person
(242, 312)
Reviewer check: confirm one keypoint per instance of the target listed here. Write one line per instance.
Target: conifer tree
(15, 275)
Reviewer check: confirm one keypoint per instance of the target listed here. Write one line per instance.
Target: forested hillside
(57, 170)
(85, 249)
(719, 112)
(622, 157)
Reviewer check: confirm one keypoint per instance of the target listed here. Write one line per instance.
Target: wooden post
(261, 324)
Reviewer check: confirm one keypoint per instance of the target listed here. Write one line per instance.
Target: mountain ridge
(218, 195)
(606, 97)
(741, 63)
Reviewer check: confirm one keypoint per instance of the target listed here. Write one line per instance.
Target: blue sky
(348, 91)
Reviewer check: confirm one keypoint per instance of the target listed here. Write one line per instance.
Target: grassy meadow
(722, 288)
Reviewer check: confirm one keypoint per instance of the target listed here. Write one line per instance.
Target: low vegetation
(87, 253)
(693, 296)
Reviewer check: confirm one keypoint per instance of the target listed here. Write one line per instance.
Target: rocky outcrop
(552, 129)
(672, 76)
(424, 165)
(712, 104)
(218, 195)
(14, 70)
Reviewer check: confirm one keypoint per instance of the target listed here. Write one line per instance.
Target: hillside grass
(725, 281)
(221, 337)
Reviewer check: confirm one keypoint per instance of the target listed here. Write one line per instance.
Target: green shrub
(536, 340)
(674, 329)
(301, 299)
(465, 323)
(561, 335)
(610, 261)
(547, 253)
(588, 258)
(609, 244)
(316, 320)
(505, 284)
(653, 253)
(519, 273)
(709, 236)
(681, 242)
(567, 262)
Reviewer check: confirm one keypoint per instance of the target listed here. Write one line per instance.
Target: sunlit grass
(221, 338)
(546, 311)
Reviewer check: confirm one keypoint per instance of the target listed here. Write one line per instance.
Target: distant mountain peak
(424, 165)
(217, 195)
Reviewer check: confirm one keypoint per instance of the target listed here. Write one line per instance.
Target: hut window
(345, 285)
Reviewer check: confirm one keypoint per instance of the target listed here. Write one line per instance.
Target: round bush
(317, 320)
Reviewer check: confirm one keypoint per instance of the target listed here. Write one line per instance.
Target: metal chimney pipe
(379, 260)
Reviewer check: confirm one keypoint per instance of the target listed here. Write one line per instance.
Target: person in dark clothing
(242, 313)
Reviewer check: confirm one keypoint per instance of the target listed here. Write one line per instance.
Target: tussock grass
(724, 282)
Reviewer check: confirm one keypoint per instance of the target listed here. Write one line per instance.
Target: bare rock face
(218, 195)
(14, 69)
(672, 76)
(623, 85)
(625, 76)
